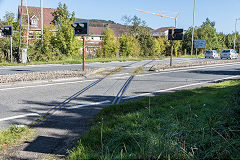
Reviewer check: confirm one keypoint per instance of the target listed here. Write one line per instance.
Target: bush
(129, 46)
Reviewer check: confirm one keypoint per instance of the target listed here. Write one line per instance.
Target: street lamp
(41, 4)
(235, 32)
(193, 27)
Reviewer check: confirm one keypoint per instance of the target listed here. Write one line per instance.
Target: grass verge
(14, 136)
(79, 61)
(202, 123)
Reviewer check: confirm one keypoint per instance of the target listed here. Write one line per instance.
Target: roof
(117, 28)
(47, 15)
(162, 29)
(96, 30)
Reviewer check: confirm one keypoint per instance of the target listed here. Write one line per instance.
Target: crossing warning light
(7, 30)
(175, 34)
(80, 28)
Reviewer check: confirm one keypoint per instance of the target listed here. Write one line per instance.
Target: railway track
(117, 99)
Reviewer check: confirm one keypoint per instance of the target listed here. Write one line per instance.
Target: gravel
(50, 75)
(161, 67)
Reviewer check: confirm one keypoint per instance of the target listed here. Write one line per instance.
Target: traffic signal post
(174, 34)
(7, 31)
(80, 28)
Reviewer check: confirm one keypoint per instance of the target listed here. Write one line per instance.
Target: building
(161, 32)
(32, 16)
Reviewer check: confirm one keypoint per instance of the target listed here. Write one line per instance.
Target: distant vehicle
(229, 54)
(211, 54)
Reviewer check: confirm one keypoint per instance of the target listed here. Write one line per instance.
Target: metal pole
(235, 33)
(19, 46)
(83, 53)
(171, 47)
(193, 27)
(11, 49)
(171, 53)
(41, 22)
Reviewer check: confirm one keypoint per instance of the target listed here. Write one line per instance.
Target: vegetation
(59, 42)
(214, 40)
(129, 46)
(192, 124)
(14, 135)
(110, 43)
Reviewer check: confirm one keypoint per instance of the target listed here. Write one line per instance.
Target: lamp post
(193, 26)
(235, 32)
(41, 22)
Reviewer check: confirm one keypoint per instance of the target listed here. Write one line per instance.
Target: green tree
(221, 41)
(159, 46)
(45, 51)
(209, 33)
(142, 33)
(129, 46)
(229, 40)
(110, 43)
(64, 40)
(9, 18)
(62, 15)
(177, 48)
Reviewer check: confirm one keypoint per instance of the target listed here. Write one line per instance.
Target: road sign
(176, 35)
(199, 43)
(80, 28)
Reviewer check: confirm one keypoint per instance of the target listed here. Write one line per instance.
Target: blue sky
(223, 12)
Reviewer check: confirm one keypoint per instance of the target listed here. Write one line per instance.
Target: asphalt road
(79, 100)
(55, 67)
(23, 102)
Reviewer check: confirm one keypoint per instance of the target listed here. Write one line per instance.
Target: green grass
(120, 59)
(138, 70)
(189, 56)
(202, 123)
(14, 135)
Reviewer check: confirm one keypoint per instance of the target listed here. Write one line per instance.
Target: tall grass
(193, 124)
(14, 135)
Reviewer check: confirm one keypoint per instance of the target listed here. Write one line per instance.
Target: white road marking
(140, 75)
(89, 104)
(170, 89)
(44, 85)
(19, 116)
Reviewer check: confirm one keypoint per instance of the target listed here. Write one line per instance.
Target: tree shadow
(208, 72)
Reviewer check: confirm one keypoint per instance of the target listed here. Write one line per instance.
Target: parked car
(211, 54)
(229, 54)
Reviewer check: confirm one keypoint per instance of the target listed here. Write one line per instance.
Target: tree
(9, 18)
(64, 40)
(177, 48)
(110, 43)
(62, 15)
(129, 46)
(159, 47)
(142, 33)
(209, 33)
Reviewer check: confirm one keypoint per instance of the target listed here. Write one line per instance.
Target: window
(30, 35)
(34, 22)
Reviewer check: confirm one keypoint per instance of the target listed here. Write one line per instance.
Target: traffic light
(7, 30)
(176, 35)
(80, 28)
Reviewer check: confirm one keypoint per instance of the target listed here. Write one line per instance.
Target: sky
(223, 12)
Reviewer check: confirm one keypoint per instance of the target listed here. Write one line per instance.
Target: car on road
(229, 54)
(211, 54)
